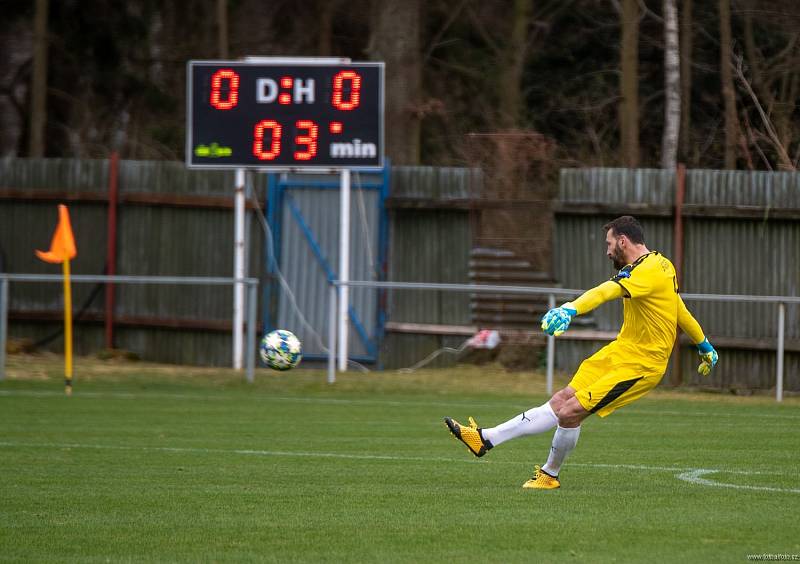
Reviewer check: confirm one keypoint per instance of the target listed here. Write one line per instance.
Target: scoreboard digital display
(310, 115)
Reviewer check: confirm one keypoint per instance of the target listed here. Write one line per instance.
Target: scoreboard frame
(284, 123)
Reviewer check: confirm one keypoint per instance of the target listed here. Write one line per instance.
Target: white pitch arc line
(691, 475)
(674, 469)
(696, 477)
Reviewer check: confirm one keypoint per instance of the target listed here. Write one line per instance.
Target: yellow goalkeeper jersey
(651, 309)
(635, 361)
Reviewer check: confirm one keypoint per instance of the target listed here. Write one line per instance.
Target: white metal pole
(551, 350)
(332, 323)
(779, 369)
(3, 325)
(344, 266)
(252, 299)
(238, 271)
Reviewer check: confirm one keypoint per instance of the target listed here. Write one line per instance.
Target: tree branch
(479, 27)
(785, 163)
(435, 41)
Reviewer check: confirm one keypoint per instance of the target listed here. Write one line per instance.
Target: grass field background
(153, 463)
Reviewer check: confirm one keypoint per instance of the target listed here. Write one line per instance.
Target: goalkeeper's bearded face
(614, 250)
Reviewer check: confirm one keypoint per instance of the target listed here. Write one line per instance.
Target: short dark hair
(629, 226)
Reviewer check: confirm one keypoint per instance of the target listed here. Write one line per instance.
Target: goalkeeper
(619, 373)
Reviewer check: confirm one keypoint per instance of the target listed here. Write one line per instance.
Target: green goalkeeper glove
(708, 357)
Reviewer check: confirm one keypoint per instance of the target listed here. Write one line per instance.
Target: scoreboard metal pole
(344, 267)
(286, 114)
(238, 270)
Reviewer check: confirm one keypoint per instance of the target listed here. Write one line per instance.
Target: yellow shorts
(609, 379)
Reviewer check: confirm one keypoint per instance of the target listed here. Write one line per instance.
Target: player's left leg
(622, 385)
(570, 416)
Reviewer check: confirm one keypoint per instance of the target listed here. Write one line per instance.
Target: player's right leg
(531, 422)
(470, 435)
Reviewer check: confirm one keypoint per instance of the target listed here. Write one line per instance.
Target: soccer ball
(280, 350)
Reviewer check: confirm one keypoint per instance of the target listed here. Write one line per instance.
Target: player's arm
(691, 327)
(689, 324)
(558, 319)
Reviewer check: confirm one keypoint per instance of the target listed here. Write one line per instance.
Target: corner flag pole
(67, 330)
(62, 249)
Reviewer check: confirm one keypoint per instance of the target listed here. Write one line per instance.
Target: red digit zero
(338, 88)
(216, 89)
(275, 139)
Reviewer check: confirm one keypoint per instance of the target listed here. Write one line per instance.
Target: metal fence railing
(250, 318)
(552, 294)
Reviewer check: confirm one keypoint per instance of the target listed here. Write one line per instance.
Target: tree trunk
(17, 46)
(395, 40)
(222, 28)
(511, 75)
(39, 82)
(672, 87)
(728, 92)
(325, 9)
(686, 80)
(629, 105)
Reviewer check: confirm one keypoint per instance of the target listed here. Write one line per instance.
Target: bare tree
(17, 46)
(629, 87)
(774, 80)
(672, 87)
(728, 92)
(515, 54)
(38, 113)
(785, 162)
(686, 78)
(222, 28)
(395, 40)
(325, 9)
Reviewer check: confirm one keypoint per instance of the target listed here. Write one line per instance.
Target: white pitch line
(254, 452)
(264, 398)
(732, 413)
(691, 475)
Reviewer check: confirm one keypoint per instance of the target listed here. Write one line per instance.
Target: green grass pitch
(149, 464)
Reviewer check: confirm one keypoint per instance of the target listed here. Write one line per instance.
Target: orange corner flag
(63, 245)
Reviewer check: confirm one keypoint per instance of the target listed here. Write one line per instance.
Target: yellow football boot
(470, 436)
(542, 481)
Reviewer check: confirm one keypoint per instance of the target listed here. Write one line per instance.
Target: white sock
(534, 421)
(564, 440)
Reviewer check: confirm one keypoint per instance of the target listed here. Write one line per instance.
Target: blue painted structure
(303, 216)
